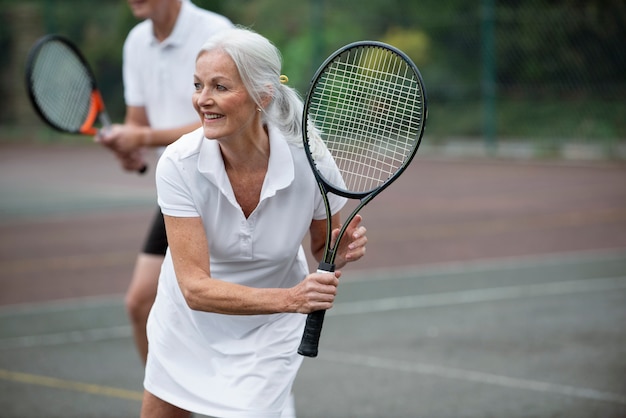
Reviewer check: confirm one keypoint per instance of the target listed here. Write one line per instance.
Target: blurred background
(495, 279)
(536, 78)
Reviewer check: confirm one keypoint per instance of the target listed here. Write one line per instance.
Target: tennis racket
(366, 106)
(62, 88)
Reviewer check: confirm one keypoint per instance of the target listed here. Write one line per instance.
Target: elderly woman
(238, 198)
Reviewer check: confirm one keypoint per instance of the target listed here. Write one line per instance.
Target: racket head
(62, 87)
(367, 107)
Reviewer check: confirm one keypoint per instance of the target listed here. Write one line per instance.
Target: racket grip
(314, 321)
(312, 332)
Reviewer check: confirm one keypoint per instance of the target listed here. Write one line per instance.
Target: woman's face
(220, 98)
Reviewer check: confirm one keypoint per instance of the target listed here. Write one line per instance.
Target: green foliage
(568, 43)
(560, 64)
(414, 43)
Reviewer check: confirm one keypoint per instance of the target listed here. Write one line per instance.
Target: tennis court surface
(490, 289)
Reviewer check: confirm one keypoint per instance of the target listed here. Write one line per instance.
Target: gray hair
(259, 64)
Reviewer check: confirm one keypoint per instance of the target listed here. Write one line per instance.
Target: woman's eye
(197, 86)
(220, 87)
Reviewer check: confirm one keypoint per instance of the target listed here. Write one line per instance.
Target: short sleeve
(331, 172)
(173, 192)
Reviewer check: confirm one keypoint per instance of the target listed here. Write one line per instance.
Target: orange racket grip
(95, 108)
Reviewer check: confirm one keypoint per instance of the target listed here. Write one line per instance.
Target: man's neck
(163, 23)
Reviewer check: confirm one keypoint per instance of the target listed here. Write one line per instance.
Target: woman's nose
(205, 98)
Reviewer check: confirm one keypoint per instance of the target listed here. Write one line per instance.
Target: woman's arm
(190, 255)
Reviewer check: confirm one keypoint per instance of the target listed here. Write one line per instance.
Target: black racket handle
(314, 321)
(312, 332)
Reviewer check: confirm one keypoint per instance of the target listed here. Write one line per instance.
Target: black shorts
(156, 241)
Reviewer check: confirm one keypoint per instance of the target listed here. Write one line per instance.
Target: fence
(546, 74)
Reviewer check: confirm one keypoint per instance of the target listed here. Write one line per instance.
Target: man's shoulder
(140, 33)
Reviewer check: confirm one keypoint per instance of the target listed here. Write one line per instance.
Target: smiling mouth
(212, 116)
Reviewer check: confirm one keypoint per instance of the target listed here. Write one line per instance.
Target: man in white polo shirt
(158, 68)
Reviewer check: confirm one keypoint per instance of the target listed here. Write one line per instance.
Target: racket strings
(61, 85)
(369, 108)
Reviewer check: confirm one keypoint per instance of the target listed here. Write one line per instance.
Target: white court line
(490, 264)
(356, 276)
(381, 305)
(479, 295)
(471, 376)
(361, 307)
(62, 305)
(71, 337)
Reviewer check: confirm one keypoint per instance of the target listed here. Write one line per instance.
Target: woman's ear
(267, 98)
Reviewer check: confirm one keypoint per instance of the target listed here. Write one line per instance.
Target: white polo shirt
(230, 365)
(159, 76)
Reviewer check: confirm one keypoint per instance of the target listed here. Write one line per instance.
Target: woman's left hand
(352, 245)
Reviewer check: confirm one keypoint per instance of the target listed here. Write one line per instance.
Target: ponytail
(285, 112)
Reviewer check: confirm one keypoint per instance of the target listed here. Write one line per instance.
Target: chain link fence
(532, 77)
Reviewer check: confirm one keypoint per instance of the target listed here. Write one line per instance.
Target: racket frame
(97, 110)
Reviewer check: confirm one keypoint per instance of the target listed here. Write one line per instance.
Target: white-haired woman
(238, 198)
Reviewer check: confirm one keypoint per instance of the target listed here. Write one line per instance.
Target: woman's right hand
(316, 292)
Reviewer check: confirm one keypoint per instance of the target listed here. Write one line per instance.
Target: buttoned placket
(247, 235)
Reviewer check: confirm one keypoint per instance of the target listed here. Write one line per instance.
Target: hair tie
(283, 79)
